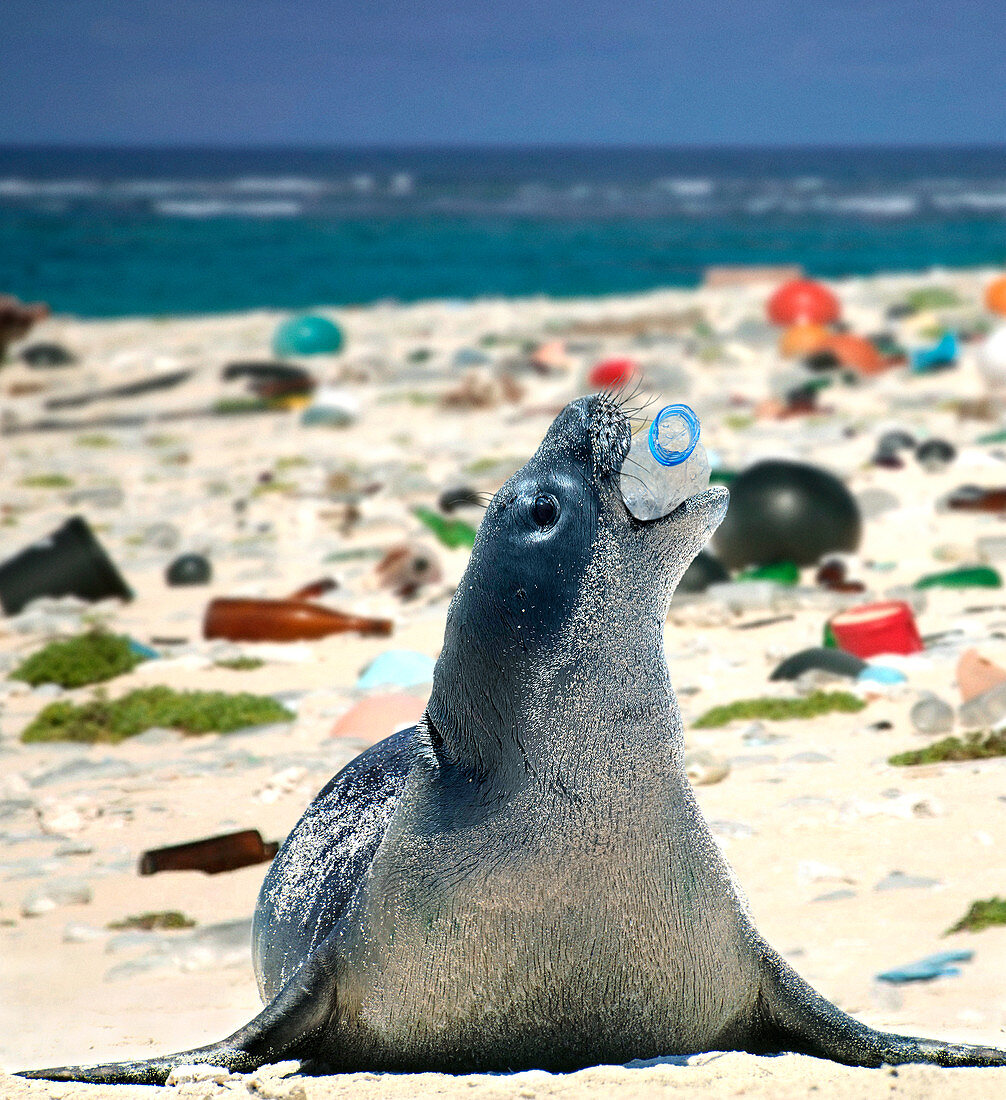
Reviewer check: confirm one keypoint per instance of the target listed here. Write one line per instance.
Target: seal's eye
(545, 510)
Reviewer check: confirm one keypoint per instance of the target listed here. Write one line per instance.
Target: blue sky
(525, 71)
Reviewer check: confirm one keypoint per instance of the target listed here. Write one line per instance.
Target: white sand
(794, 826)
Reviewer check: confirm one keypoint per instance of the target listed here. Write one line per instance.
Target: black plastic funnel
(69, 562)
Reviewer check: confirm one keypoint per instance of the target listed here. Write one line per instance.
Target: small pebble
(704, 769)
(932, 716)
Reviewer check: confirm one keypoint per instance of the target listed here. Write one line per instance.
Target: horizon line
(486, 146)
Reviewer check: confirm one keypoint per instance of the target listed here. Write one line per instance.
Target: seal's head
(561, 574)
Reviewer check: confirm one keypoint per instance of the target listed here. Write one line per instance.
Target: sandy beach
(851, 866)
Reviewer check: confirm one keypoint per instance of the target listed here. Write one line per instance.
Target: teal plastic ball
(307, 335)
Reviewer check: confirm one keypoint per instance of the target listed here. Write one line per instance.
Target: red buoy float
(612, 373)
(801, 300)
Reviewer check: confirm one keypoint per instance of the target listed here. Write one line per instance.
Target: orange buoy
(856, 352)
(802, 300)
(995, 295)
(802, 339)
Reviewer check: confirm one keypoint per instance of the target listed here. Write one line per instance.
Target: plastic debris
(379, 716)
(977, 576)
(925, 970)
(17, 319)
(881, 674)
(869, 629)
(68, 562)
(803, 339)
(974, 498)
(786, 573)
(835, 662)
(46, 354)
(856, 352)
(397, 668)
(331, 407)
(995, 295)
(932, 716)
(406, 569)
(984, 710)
(991, 359)
(665, 465)
(166, 381)
(313, 589)
(941, 355)
(976, 675)
(307, 335)
(453, 533)
(935, 455)
(786, 511)
(801, 300)
(612, 373)
(189, 569)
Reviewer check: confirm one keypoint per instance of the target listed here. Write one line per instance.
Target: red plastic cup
(872, 628)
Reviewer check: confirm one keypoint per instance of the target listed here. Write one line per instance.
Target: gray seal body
(524, 879)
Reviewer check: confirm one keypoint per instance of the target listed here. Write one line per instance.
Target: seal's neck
(598, 702)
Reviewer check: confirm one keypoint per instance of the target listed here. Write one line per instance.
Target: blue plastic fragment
(881, 674)
(943, 354)
(142, 650)
(689, 420)
(398, 668)
(932, 966)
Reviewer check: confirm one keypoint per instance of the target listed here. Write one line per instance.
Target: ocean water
(114, 232)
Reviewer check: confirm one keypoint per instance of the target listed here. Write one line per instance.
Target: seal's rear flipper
(794, 1017)
(286, 1029)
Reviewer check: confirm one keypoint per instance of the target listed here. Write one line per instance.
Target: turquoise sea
(111, 232)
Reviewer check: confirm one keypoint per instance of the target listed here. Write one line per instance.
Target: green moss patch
(95, 439)
(89, 658)
(975, 746)
(776, 710)
(163, 920)
(932, 297)
(982, 914)
(192, 712)
(241, 664)
(47, 481)
(237, 406)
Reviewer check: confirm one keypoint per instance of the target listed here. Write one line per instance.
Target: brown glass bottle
(252, 620)
(212, 855)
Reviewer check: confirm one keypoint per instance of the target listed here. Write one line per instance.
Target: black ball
(786, 511)
(188, 569)
(935, 454)
(704, 571)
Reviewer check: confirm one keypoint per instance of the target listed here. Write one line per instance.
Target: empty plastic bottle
(665, 465)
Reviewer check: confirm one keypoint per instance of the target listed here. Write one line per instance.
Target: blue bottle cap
(689, 422)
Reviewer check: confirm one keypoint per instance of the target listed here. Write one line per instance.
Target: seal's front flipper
(288, 1028)
(795, 1017)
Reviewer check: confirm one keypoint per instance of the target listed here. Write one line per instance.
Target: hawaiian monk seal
(524, 879)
